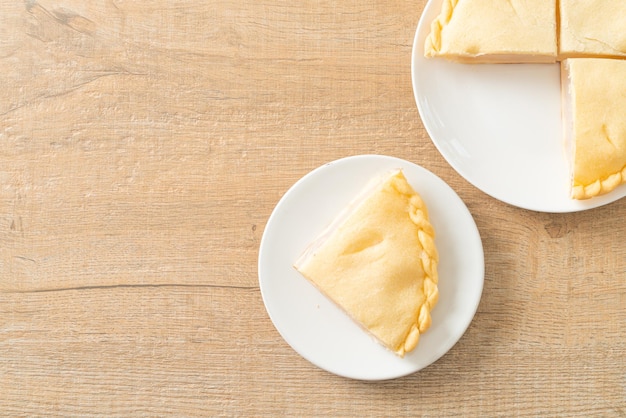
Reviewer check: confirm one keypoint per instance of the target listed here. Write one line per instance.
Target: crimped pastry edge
(418, 213)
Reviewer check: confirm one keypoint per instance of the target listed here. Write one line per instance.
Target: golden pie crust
(494, 31)
(594, 99)
(378, 262)
(592, 28)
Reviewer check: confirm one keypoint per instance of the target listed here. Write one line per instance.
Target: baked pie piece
(378, 262)
(594, 99)
(592, 28)
(494, 31)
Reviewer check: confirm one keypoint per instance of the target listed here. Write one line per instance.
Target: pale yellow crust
(379, 264)
(494, 31)
(596, 99)
(592, 28)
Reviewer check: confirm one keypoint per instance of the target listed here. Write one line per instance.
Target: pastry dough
(378, 262)
(593, 28)
(594, 99)
(494, 31)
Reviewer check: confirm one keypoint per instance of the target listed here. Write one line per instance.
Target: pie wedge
(592, 28)
(378, 262)
(594, 99)
(494, 31)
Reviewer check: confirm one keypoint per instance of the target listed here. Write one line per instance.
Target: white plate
(312, 324)
(498, 126)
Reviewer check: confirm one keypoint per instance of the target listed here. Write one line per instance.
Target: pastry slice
(378, 262)
(594, 99)
(494, 31)
(592, 28)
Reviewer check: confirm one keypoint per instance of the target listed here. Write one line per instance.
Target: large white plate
(498, 126)
(316, 328)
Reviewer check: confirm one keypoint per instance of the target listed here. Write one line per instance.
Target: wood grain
(143, 147)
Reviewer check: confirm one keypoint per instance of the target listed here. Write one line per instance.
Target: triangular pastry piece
(592, 28)
(494, 31)
(594, 99)
(378, 262)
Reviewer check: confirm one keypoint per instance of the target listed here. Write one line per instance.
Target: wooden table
(143, 147)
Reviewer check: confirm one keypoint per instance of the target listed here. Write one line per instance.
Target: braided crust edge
(432, 45)
(429, 259)
(600, 186)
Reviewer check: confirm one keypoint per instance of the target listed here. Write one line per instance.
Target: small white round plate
(498, 126)
(314, 326)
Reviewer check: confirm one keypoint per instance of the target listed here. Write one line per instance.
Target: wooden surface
(143, 147)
